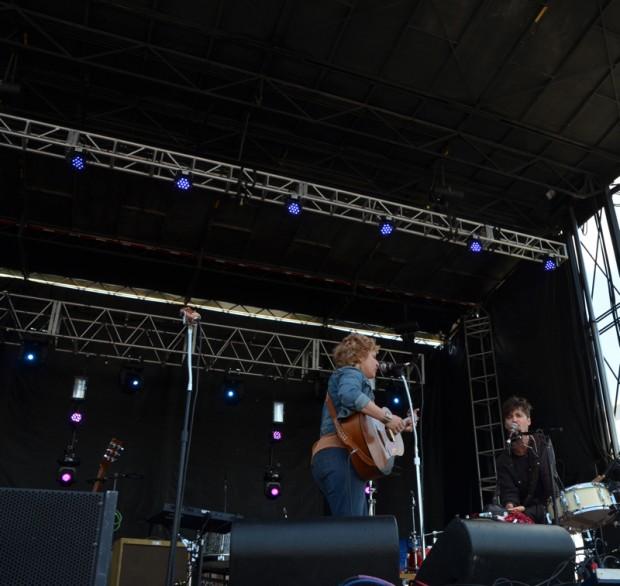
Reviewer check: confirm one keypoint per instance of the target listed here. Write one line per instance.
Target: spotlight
(80, 384)
(474, 245)
(273, 486)
(69, 462)
(131, 379)
(395, 401)
(293, 205)
(66, 475)
(77, 159)
(386, 227)
(76, 417)
(549, 264)
(183, 181)
(231, 391)
(276, 435)
(31, 353)
(278, 412)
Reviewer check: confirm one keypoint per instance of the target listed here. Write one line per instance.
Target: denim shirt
(350, 391)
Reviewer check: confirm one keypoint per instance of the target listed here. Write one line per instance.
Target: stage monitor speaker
(145, 561)
(480, 552)
(317, 552)
(55, 537)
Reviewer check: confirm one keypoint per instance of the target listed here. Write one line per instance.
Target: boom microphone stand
(418, 465)
(190, 322)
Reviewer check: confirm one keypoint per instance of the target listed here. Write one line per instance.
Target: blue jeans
(341, 486)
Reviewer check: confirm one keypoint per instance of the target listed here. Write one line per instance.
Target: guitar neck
(103, 469)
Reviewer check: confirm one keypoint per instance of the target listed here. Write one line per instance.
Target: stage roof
(512, 104)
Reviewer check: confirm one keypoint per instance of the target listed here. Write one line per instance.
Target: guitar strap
(346, 439)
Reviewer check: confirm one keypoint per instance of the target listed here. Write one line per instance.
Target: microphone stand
(418, 465)
(190, 322)
(553, 476)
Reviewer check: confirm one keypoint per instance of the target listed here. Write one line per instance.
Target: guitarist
(350, 391)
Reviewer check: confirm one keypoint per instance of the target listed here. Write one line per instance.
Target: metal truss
(216, 306)
(139, 159)
(595, 266)
(249, 89)
(601, 261)
(485, 401)
(146, 338)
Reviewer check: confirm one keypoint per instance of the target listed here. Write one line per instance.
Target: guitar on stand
(112, 453)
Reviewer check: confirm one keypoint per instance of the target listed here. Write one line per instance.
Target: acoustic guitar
(373, 447)
(112, 453)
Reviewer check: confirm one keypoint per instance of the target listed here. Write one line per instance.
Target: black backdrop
(540, 354)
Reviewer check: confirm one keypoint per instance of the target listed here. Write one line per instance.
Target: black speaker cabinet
(317, 552)
(481, 551)
(145, 561)
(55, 537)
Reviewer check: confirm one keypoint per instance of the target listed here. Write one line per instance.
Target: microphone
(514, 434)
(392, 368)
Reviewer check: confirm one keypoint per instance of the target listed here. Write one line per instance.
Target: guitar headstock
(113, 451)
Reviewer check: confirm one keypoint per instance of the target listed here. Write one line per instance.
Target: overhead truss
(129, 157)
(185, 71)
(146, 338)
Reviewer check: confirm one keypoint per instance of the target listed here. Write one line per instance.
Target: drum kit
(584, 507)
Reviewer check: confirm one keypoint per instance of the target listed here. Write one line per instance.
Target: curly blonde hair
(353, 349)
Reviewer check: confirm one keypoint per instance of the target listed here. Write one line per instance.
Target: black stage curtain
(541, 355)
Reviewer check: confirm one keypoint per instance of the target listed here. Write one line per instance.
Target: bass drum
(584, 506)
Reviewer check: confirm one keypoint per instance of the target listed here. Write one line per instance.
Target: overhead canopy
(514, 105)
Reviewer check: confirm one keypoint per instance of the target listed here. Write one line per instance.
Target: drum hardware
(584, 506)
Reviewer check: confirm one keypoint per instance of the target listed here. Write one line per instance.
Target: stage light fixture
(395, 401)
(66, 475)
(80, 385)
(131, 379)
(474, 244)
(276, 435)
(67, 471)
(231, 392)
(77, 159)
(31, 353)
(183, 181)
(273, 485)
(293, 205)
(278, 412)
(76, 417)
(386, 227)
(549, 264)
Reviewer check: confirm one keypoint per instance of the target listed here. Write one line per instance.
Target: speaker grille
(49, 537)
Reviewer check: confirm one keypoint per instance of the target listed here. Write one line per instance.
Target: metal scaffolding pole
(584, 295)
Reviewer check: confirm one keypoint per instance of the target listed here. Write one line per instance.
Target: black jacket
(527, 485)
